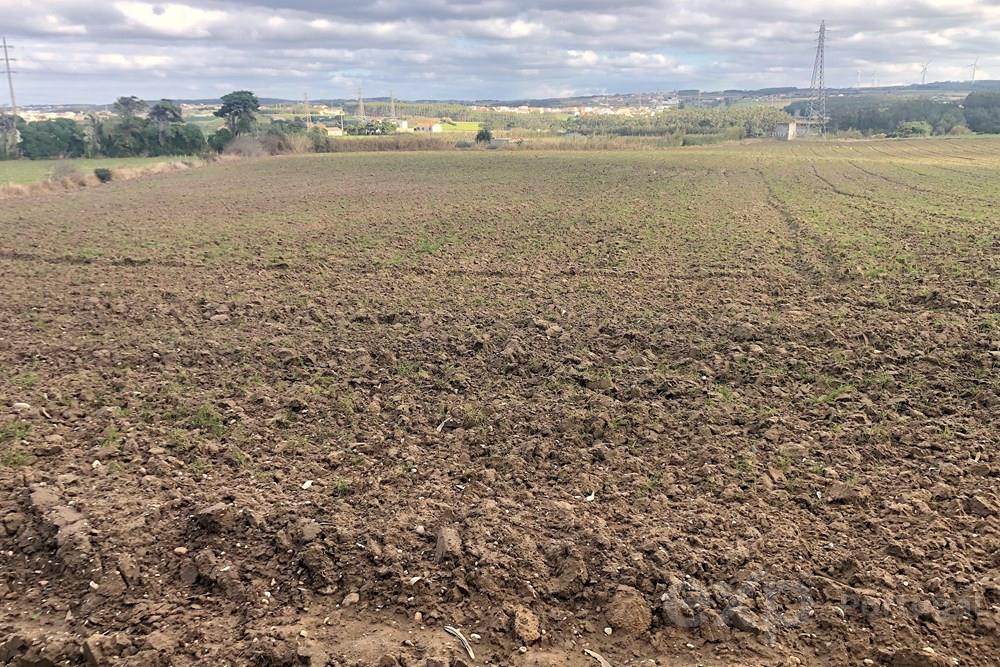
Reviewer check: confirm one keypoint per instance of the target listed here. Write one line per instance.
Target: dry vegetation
(739, 405)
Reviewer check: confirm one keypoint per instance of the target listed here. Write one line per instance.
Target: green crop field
(30, 171)
(717, 405)
(460, 126)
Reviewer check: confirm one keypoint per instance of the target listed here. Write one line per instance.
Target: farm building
(427, 127)
(785, 131)
(334, 131)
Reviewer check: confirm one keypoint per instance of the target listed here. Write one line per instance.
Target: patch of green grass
(652, 484)
(112, 438)
(199, 466)
(406, 368)
(725, 391)
(341, 487)
(12, 458)
(239, 457)
(745, 462)
(208, 419)
(31, 171)
(835, 390)
(25, 380)
(14, 432)
(429, 246)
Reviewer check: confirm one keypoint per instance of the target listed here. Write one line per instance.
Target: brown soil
(675, 408)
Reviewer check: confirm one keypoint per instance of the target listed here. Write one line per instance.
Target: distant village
(334, 118)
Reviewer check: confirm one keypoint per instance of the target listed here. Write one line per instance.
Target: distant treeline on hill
(729, 122)
(137, 128)
(978, 112)
(546, 122)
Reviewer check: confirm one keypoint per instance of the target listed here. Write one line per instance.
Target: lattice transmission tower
(817, 88)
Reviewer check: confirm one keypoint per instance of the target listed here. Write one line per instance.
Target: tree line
(729, 122)
(979, 112)
(135, 128)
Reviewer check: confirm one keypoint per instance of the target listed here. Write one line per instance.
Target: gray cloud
(78, 50)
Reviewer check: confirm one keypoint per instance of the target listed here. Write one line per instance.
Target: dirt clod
(449, 543)
(628, 611)
(527, 627)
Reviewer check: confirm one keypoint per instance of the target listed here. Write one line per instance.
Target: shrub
(915, 128)
(245, 146)
(300, 143)
(702, 139)
(464, 144)
(67, 173)
(484, 135)
(219, 140)
(103, 175)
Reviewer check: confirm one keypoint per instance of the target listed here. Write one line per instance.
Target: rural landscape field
(723, 405)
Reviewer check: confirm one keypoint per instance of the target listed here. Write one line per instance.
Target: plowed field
(734, 405)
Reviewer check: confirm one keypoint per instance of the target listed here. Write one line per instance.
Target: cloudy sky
(95, 50)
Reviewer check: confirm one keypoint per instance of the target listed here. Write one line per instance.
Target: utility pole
(305, 103)
(817, 101)
(974, 66)
(361, 106)
(8, 128)
(10, 79)
(392, 106)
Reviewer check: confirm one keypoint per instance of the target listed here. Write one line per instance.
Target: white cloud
(482, 49)
(173, 20)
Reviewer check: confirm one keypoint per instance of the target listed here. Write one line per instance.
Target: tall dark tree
(164, 113)
(239, 108)
(129, 107)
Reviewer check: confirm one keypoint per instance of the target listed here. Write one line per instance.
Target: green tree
(484, 135)
(91, 134)
(164, 113)
(982, 112)
(59, 138)
(239, 108)
(175, 139)
(127, 137)
(129, 107)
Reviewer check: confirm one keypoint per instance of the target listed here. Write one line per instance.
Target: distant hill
(615, 99)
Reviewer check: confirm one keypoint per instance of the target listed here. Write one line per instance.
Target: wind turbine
(923, 72)
(974, 65)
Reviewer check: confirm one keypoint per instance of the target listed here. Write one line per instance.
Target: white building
(785, 131)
